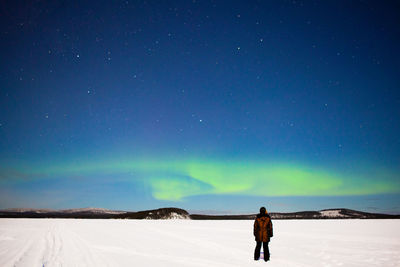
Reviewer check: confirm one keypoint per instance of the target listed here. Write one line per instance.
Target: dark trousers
(258, 249)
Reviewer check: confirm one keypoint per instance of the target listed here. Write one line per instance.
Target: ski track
(69, 242)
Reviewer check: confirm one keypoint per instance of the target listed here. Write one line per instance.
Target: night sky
(210, 106)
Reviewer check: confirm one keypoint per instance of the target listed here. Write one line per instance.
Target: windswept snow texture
(70, 242)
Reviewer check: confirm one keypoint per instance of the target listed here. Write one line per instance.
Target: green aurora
(174, 180)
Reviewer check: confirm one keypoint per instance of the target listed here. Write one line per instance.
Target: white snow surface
(171, 216)
(332, 213)
(72, 242)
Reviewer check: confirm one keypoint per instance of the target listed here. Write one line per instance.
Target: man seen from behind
(263, 233)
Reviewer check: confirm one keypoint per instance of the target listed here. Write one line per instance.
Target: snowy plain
(73, 242)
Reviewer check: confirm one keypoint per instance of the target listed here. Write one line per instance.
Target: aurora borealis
(211, 106)
(175, 180)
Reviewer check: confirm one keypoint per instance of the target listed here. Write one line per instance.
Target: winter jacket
(263, 228)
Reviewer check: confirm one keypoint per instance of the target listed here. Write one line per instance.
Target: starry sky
(210, 106)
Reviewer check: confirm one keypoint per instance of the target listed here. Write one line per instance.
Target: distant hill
(97, 213)
(82, 213)
(322, 214)
(176, 213)
(333, 214)
(163, 214)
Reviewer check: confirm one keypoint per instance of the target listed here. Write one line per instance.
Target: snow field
(70, 242)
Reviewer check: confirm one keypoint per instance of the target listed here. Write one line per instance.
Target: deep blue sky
(293, 88)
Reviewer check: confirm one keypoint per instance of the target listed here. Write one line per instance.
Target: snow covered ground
(332, 213)
(70, 242)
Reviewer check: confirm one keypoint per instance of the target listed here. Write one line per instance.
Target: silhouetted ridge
(176, 213)
(163, 213)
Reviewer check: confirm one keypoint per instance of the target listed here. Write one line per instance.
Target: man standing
(262, 233)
